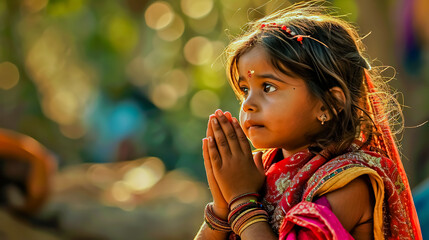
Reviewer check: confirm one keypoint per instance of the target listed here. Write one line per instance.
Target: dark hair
(331, 55)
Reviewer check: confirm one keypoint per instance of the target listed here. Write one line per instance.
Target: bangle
(243, 218)
(234, 213)
(214, 222)
(250, 223)
(254, 194)
(247, 218)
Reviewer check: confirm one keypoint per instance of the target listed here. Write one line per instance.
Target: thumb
(257, 158)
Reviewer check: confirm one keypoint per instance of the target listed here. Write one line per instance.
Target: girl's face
(278, 110)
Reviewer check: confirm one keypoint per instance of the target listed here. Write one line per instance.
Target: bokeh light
(159, 15)
(9, 75)
(145, 176)
(198, 50)
(196, 8)
(101, 175)
(164, 96)
(204, 103)
(205, 24)
(121, 192)
(61, 106)
(178, 79)
(173, 31)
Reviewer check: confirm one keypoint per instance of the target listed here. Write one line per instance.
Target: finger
(215, 159)
(220, 138)
(257, 158)
(209, 131)
(229, 132)
(242, 138)
(206, 156)
(228, 116)
(213, 185)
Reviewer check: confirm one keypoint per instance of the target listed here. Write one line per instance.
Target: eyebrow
(265, 75)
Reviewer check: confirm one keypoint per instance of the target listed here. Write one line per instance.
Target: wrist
(243, 200)
(220, 212)
(246, 211)
(214, 221)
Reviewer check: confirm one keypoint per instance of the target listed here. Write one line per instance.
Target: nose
(249, 104)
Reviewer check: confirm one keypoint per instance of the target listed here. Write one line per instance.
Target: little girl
(330, 168)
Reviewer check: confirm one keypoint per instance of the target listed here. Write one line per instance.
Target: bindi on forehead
(250, 73)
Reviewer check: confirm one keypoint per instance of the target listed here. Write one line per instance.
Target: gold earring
(323, 118)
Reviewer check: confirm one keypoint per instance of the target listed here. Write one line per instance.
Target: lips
(249, 124)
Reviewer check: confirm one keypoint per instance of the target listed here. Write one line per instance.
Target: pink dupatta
(309, 220)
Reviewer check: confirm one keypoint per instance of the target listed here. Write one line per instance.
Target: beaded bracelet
(214, 222)
(254, 194)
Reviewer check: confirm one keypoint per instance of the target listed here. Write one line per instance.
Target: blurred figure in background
(26, 169)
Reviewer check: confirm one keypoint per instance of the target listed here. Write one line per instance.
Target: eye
(244, 90)
(269, 88)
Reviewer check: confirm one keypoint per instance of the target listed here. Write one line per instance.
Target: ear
(339, 95)
(322, 114)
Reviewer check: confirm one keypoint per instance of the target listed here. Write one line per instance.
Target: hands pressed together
(230, 166)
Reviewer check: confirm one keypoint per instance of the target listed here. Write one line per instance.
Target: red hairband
(299, 38)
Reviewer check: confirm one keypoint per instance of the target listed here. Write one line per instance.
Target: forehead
(256, 57)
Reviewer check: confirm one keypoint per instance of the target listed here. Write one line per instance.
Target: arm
(343, 213)
(205, 233)
(353, 205)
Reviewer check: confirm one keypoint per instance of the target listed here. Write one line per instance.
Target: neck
(290, 152)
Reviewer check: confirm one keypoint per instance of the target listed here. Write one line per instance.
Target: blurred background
(103, 105)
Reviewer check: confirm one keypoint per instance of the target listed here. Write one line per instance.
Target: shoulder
(354, 203)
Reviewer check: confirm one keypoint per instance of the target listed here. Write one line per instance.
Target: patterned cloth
(315, 220)
(305, 176)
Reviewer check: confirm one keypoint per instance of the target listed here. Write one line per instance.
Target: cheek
(241, 116)
(241, 120)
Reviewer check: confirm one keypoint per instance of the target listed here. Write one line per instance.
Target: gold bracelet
(263, 219)
(237, 220)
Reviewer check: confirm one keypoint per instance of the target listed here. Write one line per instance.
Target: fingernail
(214, 120)
(219, 112)
(210, 139)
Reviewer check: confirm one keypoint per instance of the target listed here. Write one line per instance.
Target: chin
(258, 144)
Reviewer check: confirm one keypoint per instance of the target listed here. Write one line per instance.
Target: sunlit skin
(278, 111)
